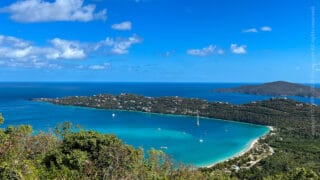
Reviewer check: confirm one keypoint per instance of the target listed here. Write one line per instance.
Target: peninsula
(278, 88)
(278, 112)
(290, 149)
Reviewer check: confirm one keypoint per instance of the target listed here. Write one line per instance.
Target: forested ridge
(278, 88)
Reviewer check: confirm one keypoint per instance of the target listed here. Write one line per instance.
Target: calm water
(212, 141)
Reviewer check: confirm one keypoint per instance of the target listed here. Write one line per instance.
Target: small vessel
(113, 115)
(200, 140)
(163, 147)
(198, 119)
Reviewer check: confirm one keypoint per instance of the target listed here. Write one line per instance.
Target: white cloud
(206, 51)
(238, 49)
(100, 67)
(255, 30)
(14, 48)
(251, 30)
(119, 45)
(63, 49)
(15, 52)
(97, 67)
(46, 11)
(124, 26)
(266, 28)
(19, 52)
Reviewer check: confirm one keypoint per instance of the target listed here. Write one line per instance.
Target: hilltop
(278, 88)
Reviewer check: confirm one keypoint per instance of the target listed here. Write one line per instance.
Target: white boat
(198, 119)
(113, 115)
(163, 147)
(200, 140)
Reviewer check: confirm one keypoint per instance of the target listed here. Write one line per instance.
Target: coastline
(156, 113)
(252, 144)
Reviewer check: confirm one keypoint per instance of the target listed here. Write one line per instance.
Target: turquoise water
(179, 136)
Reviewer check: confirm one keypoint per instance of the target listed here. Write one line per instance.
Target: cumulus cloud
(15, 52)
(14, 48)
(119, 45)
(251, 30)
(206, 51)
(266, 28)
(19, 52)
(63, 49)
(124, 26)
(235, 49)
(28, 11)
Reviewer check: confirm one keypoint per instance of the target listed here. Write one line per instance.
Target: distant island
(278, 88)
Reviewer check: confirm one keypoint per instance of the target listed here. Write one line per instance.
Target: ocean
(179, 136)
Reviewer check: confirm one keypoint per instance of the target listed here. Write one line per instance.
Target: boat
(198, 119)
(163, 147)
(113, 115)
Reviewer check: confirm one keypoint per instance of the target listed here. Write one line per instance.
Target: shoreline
(157, 113)
(244, 151)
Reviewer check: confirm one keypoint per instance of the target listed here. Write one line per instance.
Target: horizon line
(168, 82)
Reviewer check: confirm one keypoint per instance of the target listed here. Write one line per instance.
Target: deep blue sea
(179, 136)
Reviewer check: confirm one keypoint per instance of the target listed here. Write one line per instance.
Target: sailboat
(198, 119)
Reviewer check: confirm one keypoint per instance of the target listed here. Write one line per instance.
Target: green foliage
(80, 155)
(302, 174)
(1, 119)
(14, 153)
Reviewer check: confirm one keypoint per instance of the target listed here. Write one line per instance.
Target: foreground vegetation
(80, 154)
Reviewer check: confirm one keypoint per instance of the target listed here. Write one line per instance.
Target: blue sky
(156, 40)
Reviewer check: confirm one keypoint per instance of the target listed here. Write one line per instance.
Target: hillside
(278, 88)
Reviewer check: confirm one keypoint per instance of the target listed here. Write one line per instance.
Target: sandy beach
(252, 144)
